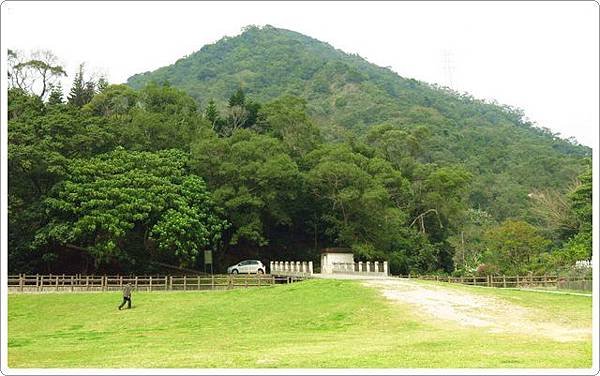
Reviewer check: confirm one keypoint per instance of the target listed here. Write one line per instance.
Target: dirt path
(494, 314)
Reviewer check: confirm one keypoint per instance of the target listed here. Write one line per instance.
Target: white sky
(539, 56)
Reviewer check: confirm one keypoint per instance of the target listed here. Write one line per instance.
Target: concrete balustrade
(292, 267)
(306, 267)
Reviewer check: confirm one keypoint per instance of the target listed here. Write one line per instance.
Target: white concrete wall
(328, 259)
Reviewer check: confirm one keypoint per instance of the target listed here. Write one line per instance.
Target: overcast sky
(539, 56)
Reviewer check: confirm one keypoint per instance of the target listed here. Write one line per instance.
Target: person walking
(126, 296)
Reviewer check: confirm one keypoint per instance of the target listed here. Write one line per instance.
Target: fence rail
(72, 283)
(529, 281)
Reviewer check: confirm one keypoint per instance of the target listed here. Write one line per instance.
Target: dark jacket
(127, 291)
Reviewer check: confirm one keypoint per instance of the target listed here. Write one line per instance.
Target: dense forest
(273, 145)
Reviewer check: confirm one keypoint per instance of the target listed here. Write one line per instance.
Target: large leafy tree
(287, 119)
(356, 197)
(515, 247)
(253, 179)
(107, 203)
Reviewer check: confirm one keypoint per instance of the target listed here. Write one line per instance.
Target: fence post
(41, 283)
(184, 283)
(385, 267)
(150, 287)
(72, 283)
(310, 267)
(170, 282)
(37, 282)
(545, 280)
(212, 282)
(136, 282)
(56, 283)
(376, 266)
(504, 280)
(63, 279)
(368, 266)
(21, 282)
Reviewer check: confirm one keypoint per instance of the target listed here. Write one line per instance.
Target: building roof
(336, 250)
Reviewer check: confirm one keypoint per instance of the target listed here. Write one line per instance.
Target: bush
(487, 269)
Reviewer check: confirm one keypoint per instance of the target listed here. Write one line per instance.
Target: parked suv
(247, 266)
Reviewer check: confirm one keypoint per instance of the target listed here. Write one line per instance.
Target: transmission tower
(448, 68)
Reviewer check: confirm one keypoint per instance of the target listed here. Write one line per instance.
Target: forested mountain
(346, 95)
(272, 145)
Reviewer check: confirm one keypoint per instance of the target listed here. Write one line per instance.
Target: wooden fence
(529, 281)
(72, 283)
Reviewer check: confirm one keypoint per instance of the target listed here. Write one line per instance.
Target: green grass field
(312, 324)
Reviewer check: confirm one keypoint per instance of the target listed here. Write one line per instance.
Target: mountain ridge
(346, 96)
(246, 78)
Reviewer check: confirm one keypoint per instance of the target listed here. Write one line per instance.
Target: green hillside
(272, 145)
(510, 156)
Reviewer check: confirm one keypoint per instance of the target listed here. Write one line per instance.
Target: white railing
(583, 264)
(360, 267)
(291, 267)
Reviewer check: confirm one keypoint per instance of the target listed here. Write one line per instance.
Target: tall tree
(82, 91)
(35, 74)
(113, 202)
(211, 113)
(56, 95)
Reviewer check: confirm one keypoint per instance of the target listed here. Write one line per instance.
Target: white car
(248, 267)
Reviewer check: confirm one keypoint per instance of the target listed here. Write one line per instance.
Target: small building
(336, 259)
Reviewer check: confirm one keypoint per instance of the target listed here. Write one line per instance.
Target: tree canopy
(272, 145)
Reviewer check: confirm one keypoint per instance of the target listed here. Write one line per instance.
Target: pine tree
(210, 113)
(89, 92)
(237, 99)
(102, 84)
(56, 95)
(82, 91)
(77, 93)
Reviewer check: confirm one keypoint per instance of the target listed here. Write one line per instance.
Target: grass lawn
(312, 324)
